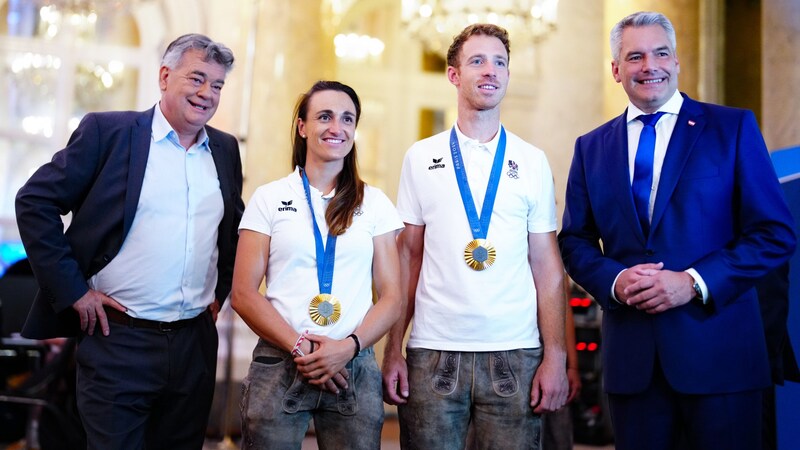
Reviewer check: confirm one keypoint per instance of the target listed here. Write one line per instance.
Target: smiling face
(329, 127)
(190, 93)
(647, 67)
(482, 73)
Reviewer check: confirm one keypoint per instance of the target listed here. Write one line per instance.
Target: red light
(580, 346)
(586, 302)
(592, 347)
(575, 302)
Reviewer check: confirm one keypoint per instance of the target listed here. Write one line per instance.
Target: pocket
(266, 355)
(268, 360)
(445, 377)
(504, 382)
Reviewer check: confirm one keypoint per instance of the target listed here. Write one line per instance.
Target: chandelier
(436, 22)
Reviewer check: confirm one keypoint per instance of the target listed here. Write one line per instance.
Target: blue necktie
(643, 168)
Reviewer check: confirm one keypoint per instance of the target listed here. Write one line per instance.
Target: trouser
(278, 404)
(451, 391)
(662, 419)
(146, 388)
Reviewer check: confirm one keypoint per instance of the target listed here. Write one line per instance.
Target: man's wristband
(358, 345)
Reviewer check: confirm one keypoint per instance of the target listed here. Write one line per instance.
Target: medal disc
(325, 309)
(479, 254)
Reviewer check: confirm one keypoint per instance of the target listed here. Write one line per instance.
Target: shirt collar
(672, 106)
(465, 141)
(297, 186)
(161, 129)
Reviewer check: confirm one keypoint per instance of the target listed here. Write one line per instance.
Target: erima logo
(287, 206)
(437, 164)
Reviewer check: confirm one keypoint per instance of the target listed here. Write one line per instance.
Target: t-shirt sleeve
(542, 207)
(386, 217)
(408, 205)
(257, 216)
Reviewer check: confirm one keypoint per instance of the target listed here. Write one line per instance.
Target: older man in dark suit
(147, 260)
(673, 213)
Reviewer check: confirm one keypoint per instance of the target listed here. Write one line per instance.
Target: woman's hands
(325, 360)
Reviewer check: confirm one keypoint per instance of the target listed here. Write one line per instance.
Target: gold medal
(479, 254)
(325, 309)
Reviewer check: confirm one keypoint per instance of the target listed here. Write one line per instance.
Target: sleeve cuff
(697, 278)
(614, 285)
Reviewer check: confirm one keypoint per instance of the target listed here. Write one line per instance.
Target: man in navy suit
(147, 259)
(671, 246)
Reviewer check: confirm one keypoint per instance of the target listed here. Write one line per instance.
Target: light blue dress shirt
(166, 269)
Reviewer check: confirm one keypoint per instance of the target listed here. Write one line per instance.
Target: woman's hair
(349, 186)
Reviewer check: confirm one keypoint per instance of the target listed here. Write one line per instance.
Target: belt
(117, 316)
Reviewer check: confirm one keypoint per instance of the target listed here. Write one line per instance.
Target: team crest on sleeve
(287, 206)
(437, 164)
(513, 170)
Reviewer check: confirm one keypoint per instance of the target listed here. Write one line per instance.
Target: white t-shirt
(457, 308)
(279, 209)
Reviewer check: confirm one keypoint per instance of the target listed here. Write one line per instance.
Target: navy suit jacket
(98, 177)
(720, 210)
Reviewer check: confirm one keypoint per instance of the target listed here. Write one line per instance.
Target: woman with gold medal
(314, 359)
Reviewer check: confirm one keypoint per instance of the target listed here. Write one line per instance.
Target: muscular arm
(395, 375)
(549, 389)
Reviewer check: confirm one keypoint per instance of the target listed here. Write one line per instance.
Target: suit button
(649, 252)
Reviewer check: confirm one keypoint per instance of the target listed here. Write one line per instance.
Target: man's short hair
(214, 51)
(640, 19)
(485, 29)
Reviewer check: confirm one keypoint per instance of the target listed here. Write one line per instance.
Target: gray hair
(214, 51)
(640, 19)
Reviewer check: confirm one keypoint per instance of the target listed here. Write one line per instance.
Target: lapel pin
(691, 123)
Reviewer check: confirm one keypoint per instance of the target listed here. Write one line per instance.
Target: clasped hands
(324, 367)
(650, 288)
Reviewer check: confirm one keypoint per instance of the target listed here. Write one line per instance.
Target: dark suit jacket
(719, 209)
(98, 178)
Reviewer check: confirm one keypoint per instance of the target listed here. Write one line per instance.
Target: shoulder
(716, 113)
(373, 194)
(438, 143)
(118, 119)
(602, 130)
(276, 187)
(218, 136)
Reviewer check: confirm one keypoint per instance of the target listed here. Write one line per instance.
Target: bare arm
(549, 388)
(395, 373)
(252, 256)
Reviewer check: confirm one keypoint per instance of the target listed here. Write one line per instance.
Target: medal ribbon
(478, 225)
(326, 256)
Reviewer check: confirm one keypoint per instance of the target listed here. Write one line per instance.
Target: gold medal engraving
(325, 309)
(479, 254)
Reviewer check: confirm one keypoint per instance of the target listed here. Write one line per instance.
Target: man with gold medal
(486, 350)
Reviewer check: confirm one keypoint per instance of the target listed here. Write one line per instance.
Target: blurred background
(60, 59)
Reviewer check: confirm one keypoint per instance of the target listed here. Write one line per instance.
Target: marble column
(685, 17)
(780, 73)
